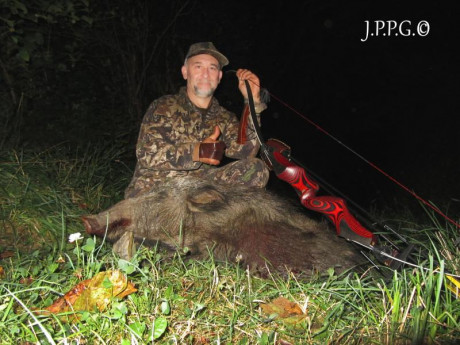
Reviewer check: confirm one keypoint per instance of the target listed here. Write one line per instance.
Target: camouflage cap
(207, 48)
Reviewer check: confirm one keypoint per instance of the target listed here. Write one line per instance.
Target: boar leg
(125, 246)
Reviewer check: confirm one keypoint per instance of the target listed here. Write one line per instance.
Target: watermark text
(388, 28)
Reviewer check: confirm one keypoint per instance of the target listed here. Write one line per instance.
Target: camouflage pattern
(250, 172)
(170, 129)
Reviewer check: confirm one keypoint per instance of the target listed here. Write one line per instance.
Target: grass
(180, 301)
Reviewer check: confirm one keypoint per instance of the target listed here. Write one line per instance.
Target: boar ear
(205, 200)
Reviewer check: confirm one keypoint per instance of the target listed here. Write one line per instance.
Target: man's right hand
(213, 137)
(210, 150)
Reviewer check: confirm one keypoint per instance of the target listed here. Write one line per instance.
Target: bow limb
(277, 156)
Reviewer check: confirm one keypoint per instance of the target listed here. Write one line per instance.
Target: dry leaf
(94, 293)
(284, 310)
(6, 254)
(26, 281)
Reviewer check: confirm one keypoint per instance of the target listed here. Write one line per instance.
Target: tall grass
(42, 197)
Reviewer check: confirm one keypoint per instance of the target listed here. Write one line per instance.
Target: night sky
(393, 99)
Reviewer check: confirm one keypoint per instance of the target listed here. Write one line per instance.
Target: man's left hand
(254, 83)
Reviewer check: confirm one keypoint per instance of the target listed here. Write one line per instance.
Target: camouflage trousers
(249, 172)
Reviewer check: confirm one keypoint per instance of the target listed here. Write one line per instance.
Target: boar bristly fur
(252, 226)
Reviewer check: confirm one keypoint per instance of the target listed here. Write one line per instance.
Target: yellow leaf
(93, 294)
(454, 287)
(284, 310)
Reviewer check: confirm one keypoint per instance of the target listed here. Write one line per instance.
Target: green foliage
(67, 66)
(30, 67)
(159, 328)
(182, 301)
(29, 22)
(42, 194)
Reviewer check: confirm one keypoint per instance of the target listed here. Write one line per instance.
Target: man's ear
(220, 75)
(184, 72)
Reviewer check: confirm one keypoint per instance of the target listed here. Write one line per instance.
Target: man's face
(203, 74)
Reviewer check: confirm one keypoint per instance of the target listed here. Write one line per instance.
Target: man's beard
(202, 93)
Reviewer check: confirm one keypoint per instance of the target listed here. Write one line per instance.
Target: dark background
(393, 101)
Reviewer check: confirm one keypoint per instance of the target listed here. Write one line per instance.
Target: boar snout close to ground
(251, 226)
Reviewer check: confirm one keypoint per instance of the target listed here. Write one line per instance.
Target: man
(188, 133)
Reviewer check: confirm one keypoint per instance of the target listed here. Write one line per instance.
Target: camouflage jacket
(170, 129)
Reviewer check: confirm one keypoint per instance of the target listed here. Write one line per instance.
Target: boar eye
(205, 200)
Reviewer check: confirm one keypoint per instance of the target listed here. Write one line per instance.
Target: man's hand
(211, 150)
(254, 83)
(213, 137)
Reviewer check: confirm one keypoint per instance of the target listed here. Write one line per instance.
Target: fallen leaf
(66, 302)
(26, 281)
(6, 254)
(2, 272)
(284, 310)
(60, 260)
(93, 294)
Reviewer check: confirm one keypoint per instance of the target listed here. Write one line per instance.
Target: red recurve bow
(277, 156)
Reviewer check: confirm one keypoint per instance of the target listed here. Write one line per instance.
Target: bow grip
(276, 155)
(287, 170)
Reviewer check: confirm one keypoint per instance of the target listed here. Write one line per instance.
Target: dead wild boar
(252, 226)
